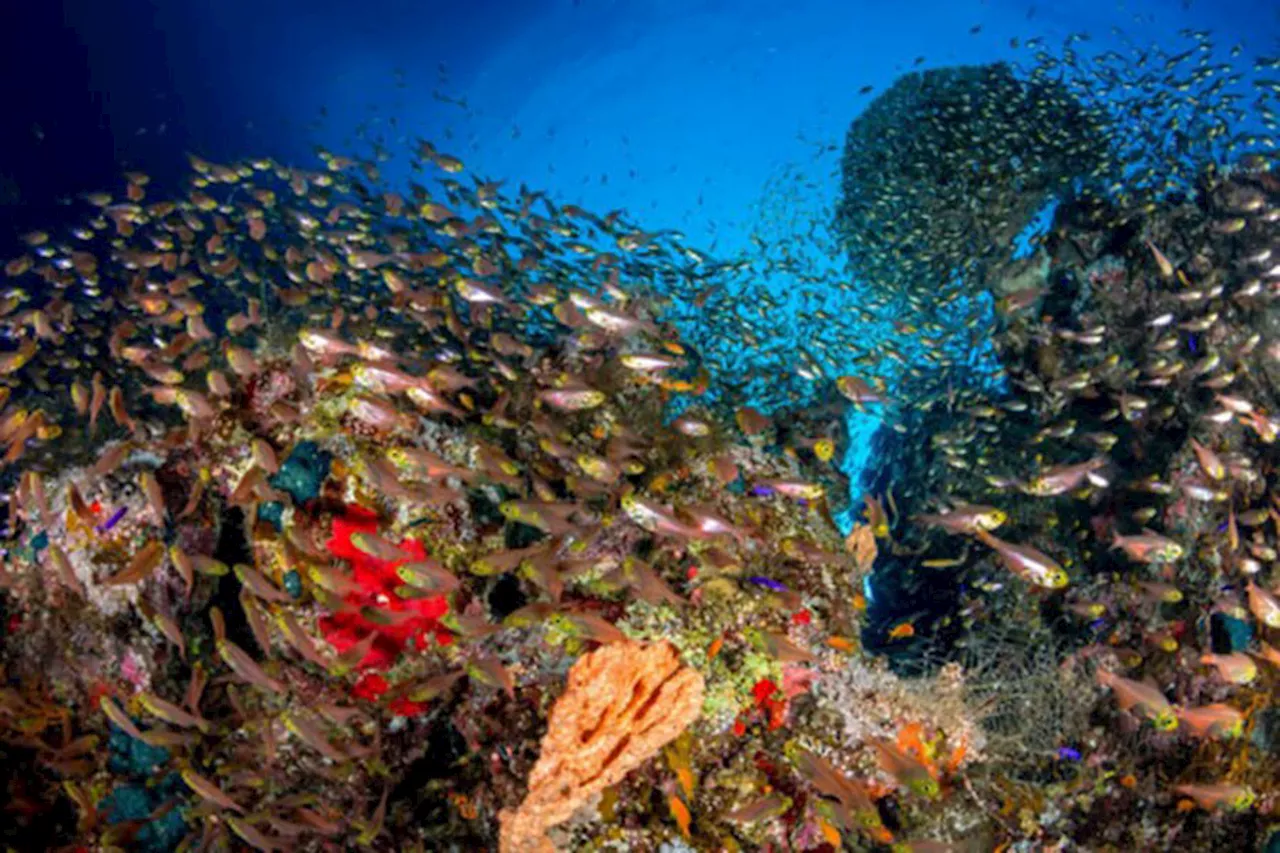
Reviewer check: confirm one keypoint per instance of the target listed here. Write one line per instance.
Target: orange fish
(901, 631)
(830, 834)
(907, 769)
(957, 756)
(678, 760)
(911, 740)
(680, 812)
(841, 644)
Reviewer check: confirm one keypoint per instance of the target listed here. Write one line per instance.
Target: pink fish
(1236, 667)
(1210, 797)
(1215, 721)
(1061, 479)
(1148, 547)
(1026, 562)
(1143, 699)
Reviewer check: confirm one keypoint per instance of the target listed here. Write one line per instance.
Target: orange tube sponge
(623, 703)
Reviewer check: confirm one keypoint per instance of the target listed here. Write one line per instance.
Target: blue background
(687, 106)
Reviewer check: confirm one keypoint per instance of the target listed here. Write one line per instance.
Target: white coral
(873, 702)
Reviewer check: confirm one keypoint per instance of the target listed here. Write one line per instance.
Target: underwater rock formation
(1133, 448)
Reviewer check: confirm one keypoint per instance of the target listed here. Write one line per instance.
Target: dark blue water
(679, 110)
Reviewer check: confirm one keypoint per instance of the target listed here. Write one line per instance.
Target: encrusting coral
(624, 702)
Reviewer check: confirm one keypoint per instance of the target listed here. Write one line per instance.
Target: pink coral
(274, 383)
(133, 668)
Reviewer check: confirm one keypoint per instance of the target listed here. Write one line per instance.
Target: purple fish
(113, 520)
(762, 491)
(1066, 753)
(768, 583)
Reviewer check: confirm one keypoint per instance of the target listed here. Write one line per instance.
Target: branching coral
(871, 702)
(1028, 702)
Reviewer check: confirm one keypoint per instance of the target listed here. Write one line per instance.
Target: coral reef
(1134, 448)
(334, 590)
(409, 521)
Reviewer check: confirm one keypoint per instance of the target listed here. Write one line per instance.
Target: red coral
(97, 690)
(775, 710)
(414, 620)
(370, 687)
(403, 706)
(764, 688)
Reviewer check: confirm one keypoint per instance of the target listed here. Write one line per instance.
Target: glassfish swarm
(384, 540)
